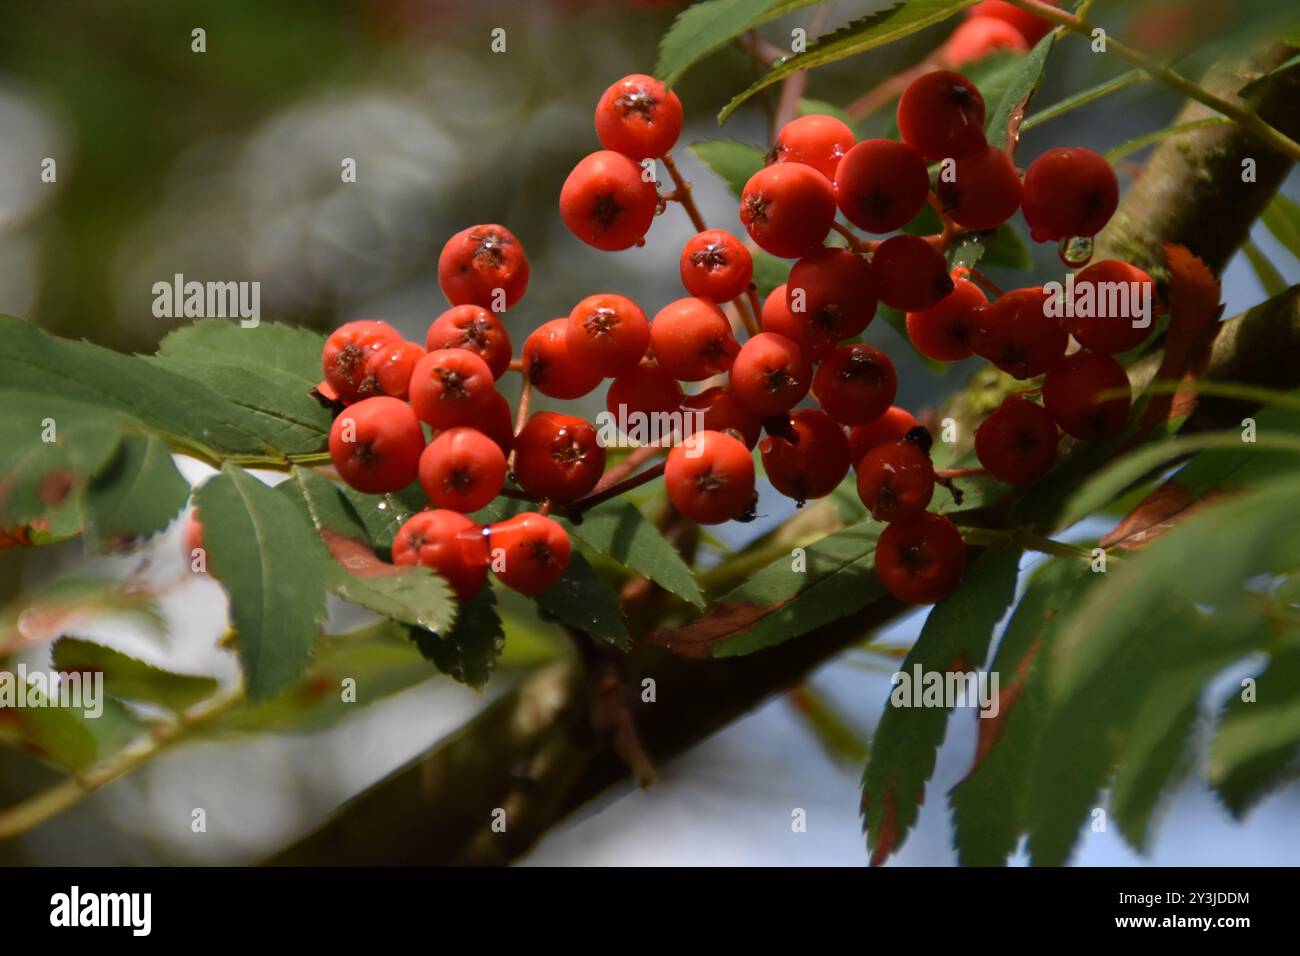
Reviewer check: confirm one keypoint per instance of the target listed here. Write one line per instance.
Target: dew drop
(1076, 252)
(383, 505)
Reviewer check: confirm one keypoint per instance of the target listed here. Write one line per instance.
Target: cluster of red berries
(993, 25)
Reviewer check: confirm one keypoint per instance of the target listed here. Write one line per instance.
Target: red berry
(1112, 291)
(976, 39)
(551, 367)
(1068, 193)
(770, 375)
(1032, 28)
(941, 115)
(778, 319)
(608, 333)
(721, 411)
(607, 203)
(816, 140)
(856, 384)
(451, 387)
(710, 478)
(984, 191)
(1018, 336)
(645, 390)
(896, 480)
(638, 117)
(475, 329)
(944, 331)
(891, 426)
(349, 347)
(529, 552)
(558, 457)
(787, 209)
(881, 185)
(389, 368)
(920, 559)
(477, 262)
(811, 461)
(910, 274)
(1017, 442)
(1071, 394)
(716, 266)
(462, 469)
(192, 543)
(831, 297)
(375, 445)
(499, 423)
(449, 544)
(692, 340)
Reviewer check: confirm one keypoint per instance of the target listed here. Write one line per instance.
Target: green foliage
(705, 27)
(138, 493)
(1282, 217)
(1019, 85)
(620, 530)
(581, 599)
(467, 652)
(731, 159)
(131, 679)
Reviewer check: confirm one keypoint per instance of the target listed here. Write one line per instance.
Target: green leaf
(1019, 88)
(1083, 98)
(955, 638)
(1282, 218)
(867, 33)
(71, 736)
(705, 27)
(1255, 85)
(621, 531)
(136, 495)
(132, 679)
(582, 600)
(383, 515)
(468, 652)
(731, 159)
(1265, 271)
(256, 548)
(1008, 249)
(1257, 745)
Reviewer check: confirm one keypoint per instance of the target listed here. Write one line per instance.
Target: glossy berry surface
(787, 209)
(551, 367)
(1069, 192)
(1110, 297)
(607, 333)
(375, 445)
(483, 265)
(449, 544)
(451, 387)
(1018, 336)
(1032, 28)
(498, 423)
(941, 116)
(529, 552)
(910, 274)
(816, 140)
(944, 331)
(692, 340)
(346, 352)
(637, 117)
(831, 297)
(1017, 442)
(895, 480)
(1072, 395)
(475, 329)
(607, 203)
(810, 460)
(462, 469)
(921, 559)
(715, 265)
(881, 185)
(976, 39)
(856, 384)
(710, 478)
(558, 457)
(720, 410)
(984, 191)
(389, 368)
(645, 390)
(770, 375)
(891, 426)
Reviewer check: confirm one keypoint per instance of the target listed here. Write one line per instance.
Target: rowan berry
(891, 426)
(551, 367)
(558, 457)
(447, 543)
(770, 375)
(831, 296)
(692, 340)
(881, 185)
(645, 390)
(816, 140)
(483, 265)
(388, 370)
(944, 332)
(984, 190)
(715, 265)
(1016, 334)
(896, 480)
(499, 423)
(1017, 442)
(608, 333)
(710, 477)
(855, 384)
(375, 445)
(920, 559)
(607, 202)
(1072, 390)
(192, 546)
(787, 209)
(1032, 28)
(637, 117)
(475, 329)
(910, 274)
(462, 469)
(777, 318)
(976, 39)
(721, 411)
(1113, 293)
(1070, 192)
(529, 552)
(810, 460)
(941, 116)
(451, 387)
(346, 351)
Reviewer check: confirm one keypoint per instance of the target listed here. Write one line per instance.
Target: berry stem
(1029, 541)
(986, 282)
(851, 237)
(616, 488)
(947, 474)
(521, 418)
(1245, 116)
(516, 365)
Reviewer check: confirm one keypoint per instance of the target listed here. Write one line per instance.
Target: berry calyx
(607, 203)
(816, 140)
(1017, 335)
(891, 426)
(941, 116)
(475, 329)
(810, 460)
(1072, 395)
(529, 552)
(346, 352)
(787, 209)
(984, 191)
(1107, 298)
(558, 457)
(451, 387)
(608, 332)
(637, 117)
(1069, 192)
(881, 185)
(645, 390)
(770, 374)
(1017, 442)
(831, 297)
(856, 384)
(710, 477)
(715, 265)
(921, 559)
(692, 340)
(483, 265)
(719, 410)
(551, 367)
(910, 274)
(462, 469)
(896, 480)
(944, 331)
(375, 445)
(449, 544)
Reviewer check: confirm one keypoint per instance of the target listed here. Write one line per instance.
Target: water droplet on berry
(1076, 252)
